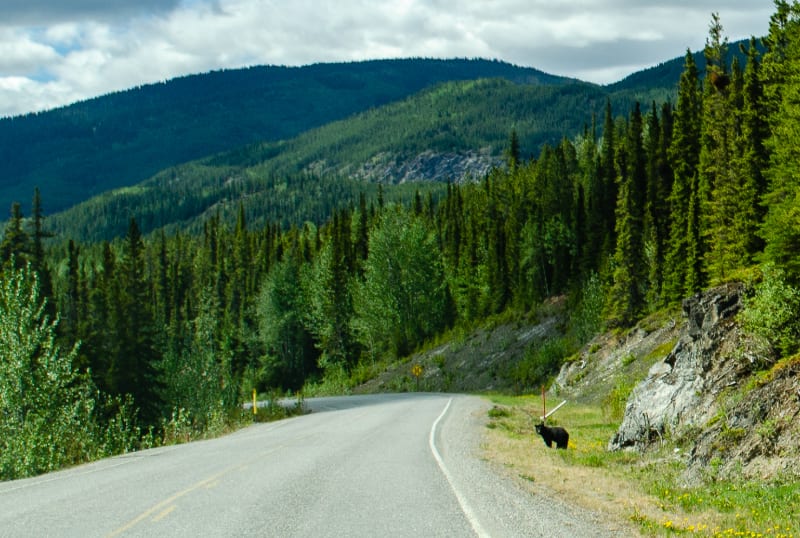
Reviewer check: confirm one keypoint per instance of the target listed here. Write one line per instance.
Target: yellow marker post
(255, 409)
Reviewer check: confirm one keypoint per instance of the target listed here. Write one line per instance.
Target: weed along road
(363, 466)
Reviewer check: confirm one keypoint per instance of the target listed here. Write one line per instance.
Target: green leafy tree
(328, 292)
(290, 354)
(47, 408)
(403, 297)
(197, 380)
(770, 314)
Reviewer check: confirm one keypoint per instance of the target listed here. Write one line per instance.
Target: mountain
(446, 133)
(666, 74)
(121, 139)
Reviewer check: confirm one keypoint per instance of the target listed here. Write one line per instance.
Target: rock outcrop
(680, 391)
(732, 412)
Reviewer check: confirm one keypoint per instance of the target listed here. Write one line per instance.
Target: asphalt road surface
(365, 466)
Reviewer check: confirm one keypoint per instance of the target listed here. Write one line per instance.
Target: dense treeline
(670, 199)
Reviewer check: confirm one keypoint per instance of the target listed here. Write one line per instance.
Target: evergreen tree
(37, 254)
(680, 271)
(71, 303)
(607, 184)
(627, 294)
(594, 198)
(754, 134)
(361, 245)
(512, 152)
(497, 263)
(15, 246)
(781, 229)
(726, 203)
(659, 186)
(137, 362)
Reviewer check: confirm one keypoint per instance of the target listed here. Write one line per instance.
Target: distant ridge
(669, 72)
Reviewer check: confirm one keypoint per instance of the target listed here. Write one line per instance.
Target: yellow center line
(163, 504)
(164, 513)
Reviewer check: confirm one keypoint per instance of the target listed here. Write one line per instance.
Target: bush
(615, 401)
(541, 362)
(49, 412)
(587, 318)
(771, 313)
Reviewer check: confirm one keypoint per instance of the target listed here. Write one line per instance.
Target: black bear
(559, 435)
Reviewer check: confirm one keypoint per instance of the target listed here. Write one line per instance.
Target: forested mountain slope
(120, 139)
(452, 129)
(450, 132)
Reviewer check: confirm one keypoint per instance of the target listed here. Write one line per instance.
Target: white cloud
(68, 49)
(22, 55)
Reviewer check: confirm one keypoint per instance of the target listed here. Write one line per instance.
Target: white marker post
(556, 408)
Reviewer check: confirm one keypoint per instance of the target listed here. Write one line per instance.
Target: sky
(55, 52)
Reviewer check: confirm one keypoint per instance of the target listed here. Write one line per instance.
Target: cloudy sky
(54, 52)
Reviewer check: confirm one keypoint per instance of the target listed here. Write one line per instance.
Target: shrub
(615, 401)
(587, 318)
(541, 362)
(49, 412)
(771, 314)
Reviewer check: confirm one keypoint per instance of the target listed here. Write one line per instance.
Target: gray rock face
(680, 390)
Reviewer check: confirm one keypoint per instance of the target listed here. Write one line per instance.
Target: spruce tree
(684, 156)
(138, 358)
(755, 131)
(15, 246)
(781, 229)
(607, 184)
(726, 204)
(627, 294)
(37, 254)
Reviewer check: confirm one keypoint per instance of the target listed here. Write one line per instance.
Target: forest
(111, 346)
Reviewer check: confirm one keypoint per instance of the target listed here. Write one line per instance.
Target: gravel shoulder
(505, 504)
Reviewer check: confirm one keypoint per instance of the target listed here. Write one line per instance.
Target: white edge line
(470, 515)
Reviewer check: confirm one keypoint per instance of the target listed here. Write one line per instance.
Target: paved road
(366, 466)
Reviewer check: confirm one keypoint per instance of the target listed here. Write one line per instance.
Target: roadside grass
(638, 493)
(276, 409)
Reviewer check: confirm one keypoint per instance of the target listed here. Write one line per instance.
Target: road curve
(364, 466)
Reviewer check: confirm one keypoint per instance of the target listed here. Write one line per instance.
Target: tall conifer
(684, 155)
